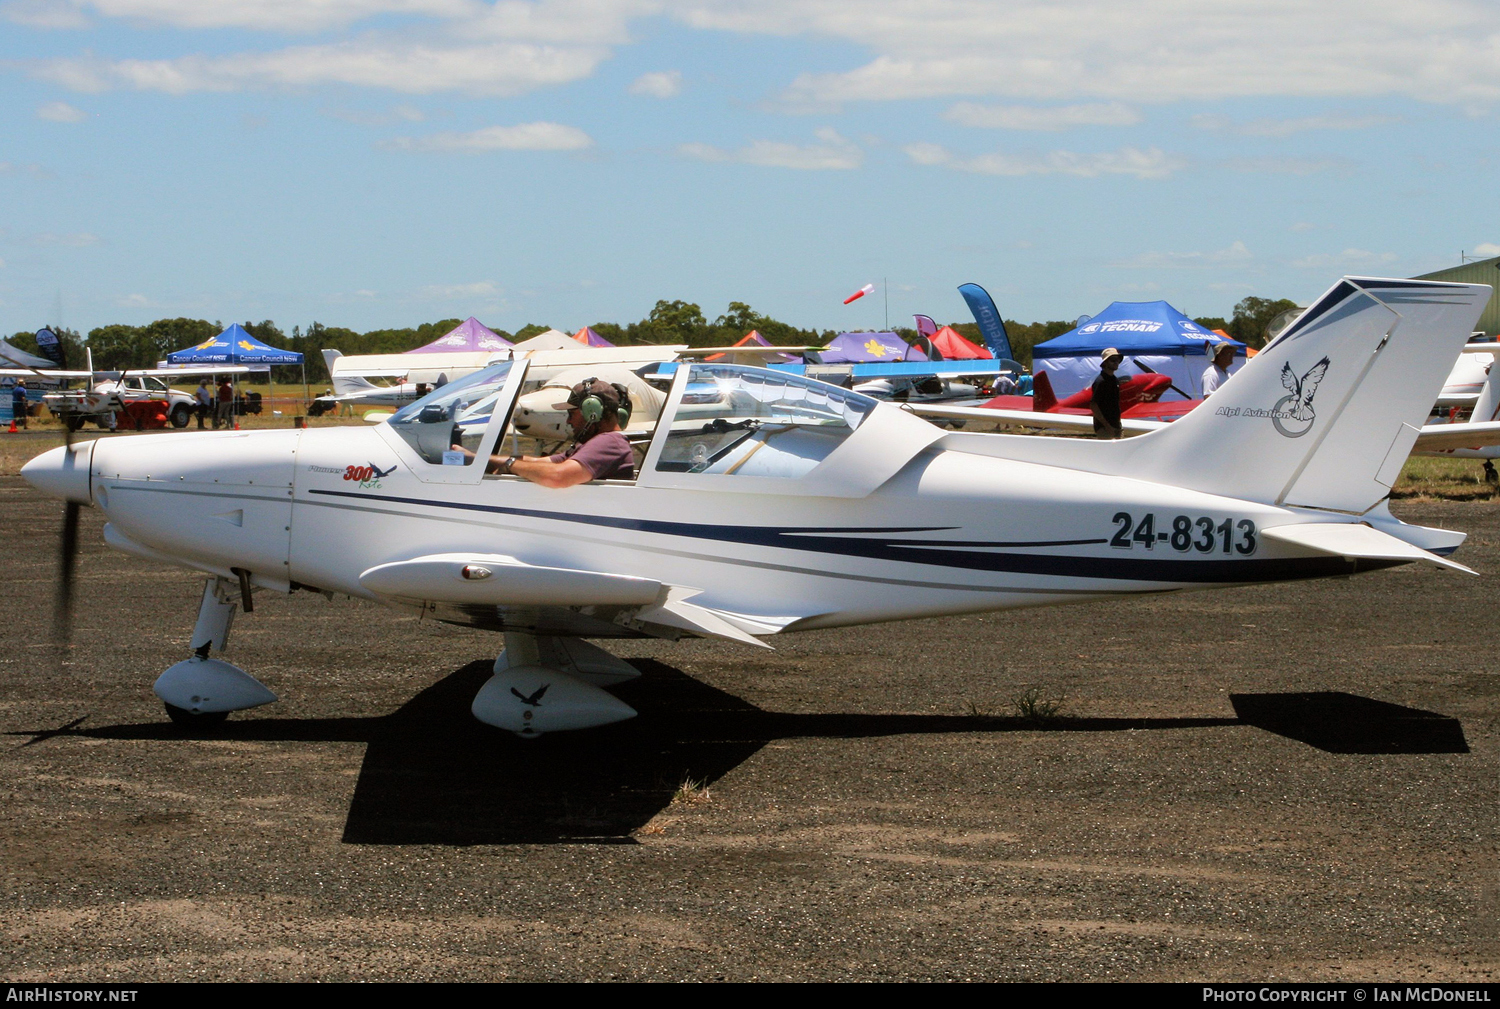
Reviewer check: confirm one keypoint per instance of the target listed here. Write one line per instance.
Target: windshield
(753, 422)
(446, 426)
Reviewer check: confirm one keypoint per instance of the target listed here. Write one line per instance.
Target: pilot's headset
(593, 403)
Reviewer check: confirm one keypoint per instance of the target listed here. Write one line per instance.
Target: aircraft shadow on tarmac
(432, 774)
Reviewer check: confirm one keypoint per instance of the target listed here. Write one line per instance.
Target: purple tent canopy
(468, 336)
(589, 338)
(865, 348)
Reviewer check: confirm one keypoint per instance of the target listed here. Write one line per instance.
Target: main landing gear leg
(549, 684)
(200, 692)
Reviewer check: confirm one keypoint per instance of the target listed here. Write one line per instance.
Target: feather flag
(925, 325)
(867, 289)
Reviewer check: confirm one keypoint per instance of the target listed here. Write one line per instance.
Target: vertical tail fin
(991, 326)
(1042, 396)
(1326, 415)
(1487, 407)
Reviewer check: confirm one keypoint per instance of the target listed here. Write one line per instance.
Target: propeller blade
(62, 614)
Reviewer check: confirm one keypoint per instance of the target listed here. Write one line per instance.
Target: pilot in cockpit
(597, 410)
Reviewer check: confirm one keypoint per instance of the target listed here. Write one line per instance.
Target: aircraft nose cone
(62, 472)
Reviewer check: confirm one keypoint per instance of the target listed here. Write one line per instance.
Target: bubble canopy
(455, 417)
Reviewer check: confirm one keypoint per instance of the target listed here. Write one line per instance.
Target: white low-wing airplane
(1479, 436)
(769, 503)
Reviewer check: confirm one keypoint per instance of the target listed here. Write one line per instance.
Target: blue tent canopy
(233, 346)
(1134, 327)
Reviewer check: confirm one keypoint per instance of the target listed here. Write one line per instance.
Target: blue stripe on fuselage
(880, 543)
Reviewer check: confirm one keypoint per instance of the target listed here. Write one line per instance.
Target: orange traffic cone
(12, 426)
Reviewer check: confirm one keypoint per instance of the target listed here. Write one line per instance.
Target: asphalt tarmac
(1293, 782)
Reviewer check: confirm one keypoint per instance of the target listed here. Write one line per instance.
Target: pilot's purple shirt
(606, 456)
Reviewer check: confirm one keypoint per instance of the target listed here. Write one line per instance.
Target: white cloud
(1030, 117)
(135, 301)
(1287, 166)
(415, 68)
(1153, 163)
(834, 153)
(60, 112)
(1301, 226)
(44, 14)
(1051, 50)
(525, 137)
(34, 170)
(1235, 253)
(479, 289)
(1487, 249)
(79, 240)
(1348, 259)
(1288, 127)
(275, 15)
(662, 84)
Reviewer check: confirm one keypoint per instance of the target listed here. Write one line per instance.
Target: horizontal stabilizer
(1356, 541)
(498, 580)
(1444, 437)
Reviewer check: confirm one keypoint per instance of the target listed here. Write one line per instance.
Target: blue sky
(373, 163)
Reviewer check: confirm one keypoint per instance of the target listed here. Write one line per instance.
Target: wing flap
(1356, 541)
(676, 612)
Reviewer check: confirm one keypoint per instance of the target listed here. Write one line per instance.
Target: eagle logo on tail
(1293, 414)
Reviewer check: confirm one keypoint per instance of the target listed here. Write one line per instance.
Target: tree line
(119, 346)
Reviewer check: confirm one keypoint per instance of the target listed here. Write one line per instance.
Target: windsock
(867, 289)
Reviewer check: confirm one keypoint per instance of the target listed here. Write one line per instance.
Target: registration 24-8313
(1184, 533)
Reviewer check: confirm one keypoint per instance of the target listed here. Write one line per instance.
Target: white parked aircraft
(1473, 438)
(1462, 386)
(770, 503)
(418, 373)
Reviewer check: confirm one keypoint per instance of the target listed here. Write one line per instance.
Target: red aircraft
(1139, 396)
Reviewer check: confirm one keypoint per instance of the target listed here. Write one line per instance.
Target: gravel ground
(1275, 783)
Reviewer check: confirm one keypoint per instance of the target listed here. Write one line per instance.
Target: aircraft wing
(1071, 423)
(746, 351)
(501, 580)
(48, 373)
(193, 370)
(1441, 437)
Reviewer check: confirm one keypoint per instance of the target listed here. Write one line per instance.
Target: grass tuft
(1031, 705)
(692, 792)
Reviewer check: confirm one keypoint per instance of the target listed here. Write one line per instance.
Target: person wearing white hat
(1106, 402)
(1217, 373)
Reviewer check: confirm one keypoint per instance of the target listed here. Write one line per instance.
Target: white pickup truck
(107, 399)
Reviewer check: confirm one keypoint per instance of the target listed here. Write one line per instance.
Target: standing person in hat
(597, 410)
(205, 398)
(1106, 401)
(18, 404)
(1217, 373)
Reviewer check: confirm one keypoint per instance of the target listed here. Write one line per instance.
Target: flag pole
(885, 284)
